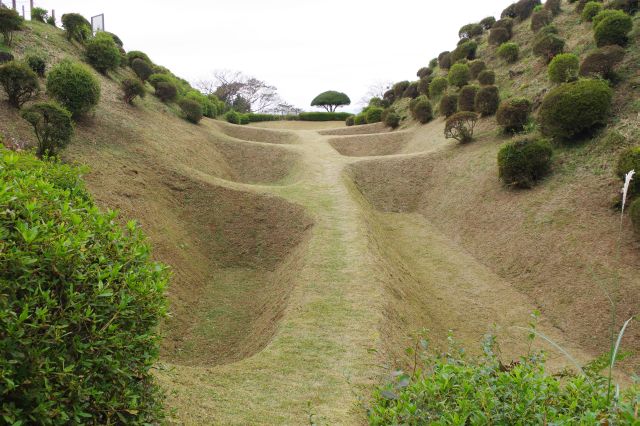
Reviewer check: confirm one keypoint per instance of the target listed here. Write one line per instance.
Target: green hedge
(80, 302)
(324, 116)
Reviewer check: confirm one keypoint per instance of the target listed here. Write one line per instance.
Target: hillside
(306, 257)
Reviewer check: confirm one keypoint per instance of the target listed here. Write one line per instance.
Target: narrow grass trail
(363, 282)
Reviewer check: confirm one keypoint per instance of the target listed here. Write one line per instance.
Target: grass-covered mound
(80, 300)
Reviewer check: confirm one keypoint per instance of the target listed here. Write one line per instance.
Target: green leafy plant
(612, 27)
(10, 22)
(102, 53)
(19, 82)
(360, 119)
(523, 162)
(232, 117)
(374, 115)
(564, 68)
(39, 14)
(74, 86)
(424, 72)
(421, 109)
(487, 23)
(513, 114)
(460, 126)
(76, 27)
(391, 119)
(166, 91)
(487, 100)
(448, 104)
(487, 78)
(350, 121)
(136, 54)
(591, 9)
(131, 89)
(466, 50)
(324, 116)
(459, 75)
(52, 125)
(437, 87)
(509, 52)
(470, 31)
(444, 60)
(142, 69)
(192, 110)
(476, 67)
(467, 98)
(37, 63)
(574, 108)
(81, 304)
(331, 100)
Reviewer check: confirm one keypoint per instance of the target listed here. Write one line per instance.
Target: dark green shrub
(466, 50)
(509, 12)
(19, 82)
(117, 40)
(564, 68)
(423, 85)
(524, 8)
(574, 108)
(421, 109)
(513, 114)
(411, 91)
(102, 53)
(509, 52)
(81, 304)
(166, 92)
(399, 88)
(192, 110)
(433, 63)
(51, 21)
(476, 67)
(582, 5)
(232, 117)
(459, 75)
(360, 119)
(448, 105)
(74, 86)
(437, 87)
(553, 6)
(612, 28)
(37, 63)
(602, 62)
(132, 88)
(142, 69)
(39, 14)
(392, 119)
(506, 23)
(523, 162)
(549, 29)
(350, 121)
(487, 100)
(487, 23)
(460, 126)
(628, 160)
(155, 79)
(444, 60)
(487, 78)
(389, 97)
(590, 10)
(424, 72)
(210, 109)
(470, 31)
(76, 27)
(374, 115)
(52, 125)
(136, 54)
(540, 19)
(634, 212)
(467, 98)
(324, 116)
(10, 22)
(547, 46)
(628, 6)
(5, 57)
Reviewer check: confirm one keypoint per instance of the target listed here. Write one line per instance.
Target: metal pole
(23, 15)
(13, 2)
(53, 14)
(30, 7)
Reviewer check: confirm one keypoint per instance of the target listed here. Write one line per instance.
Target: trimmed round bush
(132, 88)
(470, 31)
(392, 119)
(389, 97)
(399, 88)
(81, 304)
(574, 108)
(423, 85)
(612, 27)
(102, 53)
(19, 82)
(232, 117)
(628, 6)
(166, 91)
(467, 98)
(39, 14)
(76, 27)
(350, 121)
(628, 160)
(136, 54)
(487, 100)
(476, 67)
(411, 91)
(547, 46)
(487, 23)
(460, 126)
(509, 52)
(360, 119)
(437, 87)
(459, 75)
(448, 105)
(142, 69)
(433, 63)
(74, 86)
(37, 63)
(52, 125)
(634, 212)
(590, 10)
(487, 78)
(602, 62)
(444, 60)
(192, 110)
(424, 72)
(540, 19)
(509, 11)
(466, 50)
(117, 40)
(564, 68)
(10, 22)
(523, 162)
(524, 8)
(553, 6)
(513, 114)
(421, 109)
(374, 115)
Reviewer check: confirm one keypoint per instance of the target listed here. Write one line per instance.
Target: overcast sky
(301, 47)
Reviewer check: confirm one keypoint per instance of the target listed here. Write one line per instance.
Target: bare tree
(376, 90)
(229, 85)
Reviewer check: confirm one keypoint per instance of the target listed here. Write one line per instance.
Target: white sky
(302, 47)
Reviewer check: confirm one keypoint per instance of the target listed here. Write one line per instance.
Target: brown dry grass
(370, 145)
